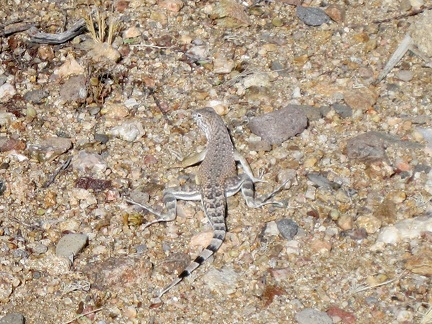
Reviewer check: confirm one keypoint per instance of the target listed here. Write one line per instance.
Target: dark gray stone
(343, 110)
(287, 228)
(312, 16)
(36, 96)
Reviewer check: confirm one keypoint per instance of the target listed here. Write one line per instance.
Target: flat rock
(278, 126)
(312, 16)
(222, 281)
(421, 262)
(49, 148)
(312, 316)
(343, 110)
(74, 89)
(363, 98)
(70, 245)
(36, 96)
(119, 272)
(13, 318)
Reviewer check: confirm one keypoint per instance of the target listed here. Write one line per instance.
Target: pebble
(367, 147)
(74, 89)
(287, 228)
(69, 67)
(293, 247)
(259, 146)
(129, 131)
(279, 68)
(345, 222)
(100, 52)
(369, 222)
(322, 182)
(171, 5)
(70, 245)
(336, 13)
(13, 318)
(271, 229)
(89, 163)
(343, 316)
(311, 112)
(36, 96)
(406, 229)
(222, 65)
(312, 16)
(201, 239)
(421, 262)
(115, 111)
(257, 80)
(131, 32)
(405, 75)
(49, 148)
(312, 316)
(11, 144)
(6, 118)
(101, 138)
(362, 99)
(222, 281)
(118, 273)
(321, 246)
(343, 110)
(389, 235)
(278, 126)
(420, 31)
(7, 91)
(230, 14)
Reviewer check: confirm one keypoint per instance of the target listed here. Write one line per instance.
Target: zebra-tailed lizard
(217, 179)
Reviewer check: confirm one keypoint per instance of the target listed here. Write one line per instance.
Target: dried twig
(45, 38)
(364, 287)
(85, 314)
(15, 26)
(64, 166)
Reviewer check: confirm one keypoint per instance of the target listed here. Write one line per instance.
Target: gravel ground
(86, 124)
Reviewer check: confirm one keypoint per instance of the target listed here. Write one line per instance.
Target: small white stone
(257, 80)
(389, 235)
(7, 91)
(271, 229)
(70, 245)
(129, 131)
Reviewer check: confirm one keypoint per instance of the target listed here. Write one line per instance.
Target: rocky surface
(86, 124)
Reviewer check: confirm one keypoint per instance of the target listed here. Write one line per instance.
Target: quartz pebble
(129, 131)
(7, 91)
(406, 229)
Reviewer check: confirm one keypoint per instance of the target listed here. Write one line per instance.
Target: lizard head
(208, 120)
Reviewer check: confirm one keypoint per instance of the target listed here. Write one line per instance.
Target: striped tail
(215, 209)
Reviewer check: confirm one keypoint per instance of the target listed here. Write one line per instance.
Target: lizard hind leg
(170, 198)
(246, 185)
